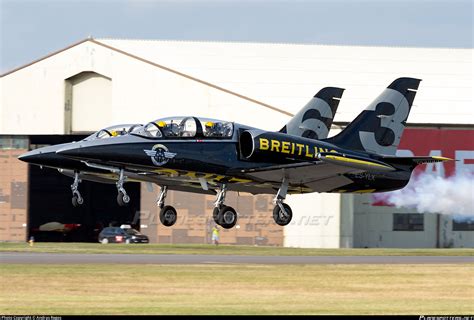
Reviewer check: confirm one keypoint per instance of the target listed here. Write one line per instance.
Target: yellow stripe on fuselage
(351, 160)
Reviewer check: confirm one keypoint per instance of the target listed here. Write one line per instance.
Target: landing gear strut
(223, 215)
(168, 214)
(122, 197)
(282, 212)
(76, 195)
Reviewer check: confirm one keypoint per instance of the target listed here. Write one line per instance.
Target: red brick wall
(13, 195)
(195, 219)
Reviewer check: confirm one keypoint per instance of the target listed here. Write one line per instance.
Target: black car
(121, 235)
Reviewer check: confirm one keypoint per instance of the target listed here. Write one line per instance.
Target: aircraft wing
(316, 176)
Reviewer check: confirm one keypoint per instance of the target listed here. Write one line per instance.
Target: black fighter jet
(314, 120)
(212, 156)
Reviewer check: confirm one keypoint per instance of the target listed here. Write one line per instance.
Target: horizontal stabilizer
(361, 163)
(414, 161)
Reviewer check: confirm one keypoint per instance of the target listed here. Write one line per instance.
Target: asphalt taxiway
(72, 258)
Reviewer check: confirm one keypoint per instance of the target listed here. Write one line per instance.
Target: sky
(30, 29)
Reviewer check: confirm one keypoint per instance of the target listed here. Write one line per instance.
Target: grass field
(243, 289)
(222, 249)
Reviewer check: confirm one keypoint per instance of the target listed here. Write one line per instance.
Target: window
(463, 225)
(13, 142)
(188, 127)
(114, 131)
(170, 128)
(408, 222)
(216, 129)
(152, 130)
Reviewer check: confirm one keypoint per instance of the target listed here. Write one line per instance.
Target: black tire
(74, 201)
(215, 215)
(279, 218)
(123, 199)
(227, 217)
(168, 216)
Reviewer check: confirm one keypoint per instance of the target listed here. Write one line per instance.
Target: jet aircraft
(211, 156)
(313, 120)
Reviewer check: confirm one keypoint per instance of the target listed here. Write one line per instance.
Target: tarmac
(74, 258)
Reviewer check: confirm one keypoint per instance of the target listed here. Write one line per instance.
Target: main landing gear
(168, 214)
(282, 212)
(122, 197)
(223, 215)
(77, 200)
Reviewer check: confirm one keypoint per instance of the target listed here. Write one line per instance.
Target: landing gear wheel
(168, 216)
(122, 199)
(227, 217)
(77, 201)
(215, 215)
(280, 217)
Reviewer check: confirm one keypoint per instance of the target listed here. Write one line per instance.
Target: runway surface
(71, 258)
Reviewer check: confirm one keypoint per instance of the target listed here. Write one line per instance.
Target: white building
(96, 83)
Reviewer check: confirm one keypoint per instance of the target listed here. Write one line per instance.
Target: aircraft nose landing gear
(76, 195)
(282, 212)
(122, 197)
(168, 214)
(223, 215)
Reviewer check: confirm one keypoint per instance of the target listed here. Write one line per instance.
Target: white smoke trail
(435, 194)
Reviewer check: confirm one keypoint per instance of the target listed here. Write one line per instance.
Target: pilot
(164, 128)
(116, 133)
(212, 129)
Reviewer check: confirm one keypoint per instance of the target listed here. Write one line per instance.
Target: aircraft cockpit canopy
(188, 127)
(114, 131)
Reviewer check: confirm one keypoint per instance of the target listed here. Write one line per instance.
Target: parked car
(121, 235)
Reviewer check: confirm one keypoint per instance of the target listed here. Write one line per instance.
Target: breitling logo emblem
(160, 154)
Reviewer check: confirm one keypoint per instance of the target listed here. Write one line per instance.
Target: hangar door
(88, 102)
(49, 202)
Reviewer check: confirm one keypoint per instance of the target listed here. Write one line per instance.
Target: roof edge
(92, 40)
(287, 43)
(192, 78)
(45, 57)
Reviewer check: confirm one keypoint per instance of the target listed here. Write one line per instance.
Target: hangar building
(96, 83)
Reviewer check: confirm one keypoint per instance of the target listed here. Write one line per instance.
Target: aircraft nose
(33, 156)
(81, 151)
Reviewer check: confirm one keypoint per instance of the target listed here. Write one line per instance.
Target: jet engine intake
(259, 145)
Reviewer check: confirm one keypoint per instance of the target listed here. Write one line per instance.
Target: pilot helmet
(161, 124)
(209, 124)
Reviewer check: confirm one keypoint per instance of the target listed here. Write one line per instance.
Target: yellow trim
(441, 158)
(338, 158)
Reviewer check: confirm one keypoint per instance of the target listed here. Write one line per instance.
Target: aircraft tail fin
(379, 128)
(315, 119)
